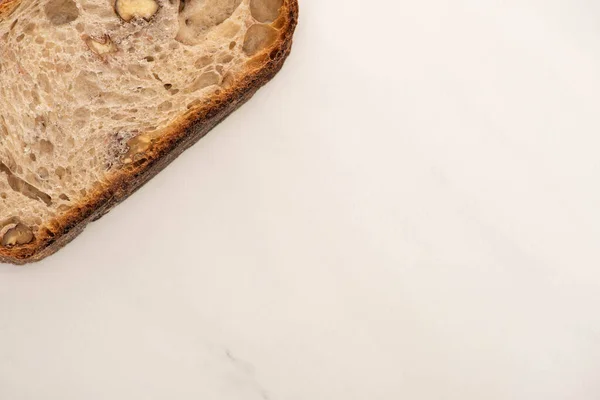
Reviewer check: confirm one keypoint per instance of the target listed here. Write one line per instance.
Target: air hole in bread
(29, 28)
(81, 113)
(43, 173)
(194, 103)
(60, 172)
(46, 147)
(165, 106)
(205, 80)
(197, 17)
(10, 163)
(225, 58)
(19, 185)
(229, 29)
(258, 37)
(44, 82)
(35, 98)
(63, 208)
(61, 12)
(85, 86)
(203, 61)
(265, 10)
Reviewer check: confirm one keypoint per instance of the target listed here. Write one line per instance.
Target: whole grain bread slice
(98, 96)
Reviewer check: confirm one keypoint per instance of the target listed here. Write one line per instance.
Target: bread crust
(7, 7)
(182, 134)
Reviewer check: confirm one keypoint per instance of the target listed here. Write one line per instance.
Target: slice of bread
(97, 96)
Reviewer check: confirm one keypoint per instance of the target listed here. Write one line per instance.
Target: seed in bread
(130, 9)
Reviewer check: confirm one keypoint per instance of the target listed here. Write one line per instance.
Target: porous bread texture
(84, 93)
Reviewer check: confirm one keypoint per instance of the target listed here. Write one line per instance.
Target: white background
(409, 210)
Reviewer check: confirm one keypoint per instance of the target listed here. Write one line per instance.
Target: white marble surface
(410, 210)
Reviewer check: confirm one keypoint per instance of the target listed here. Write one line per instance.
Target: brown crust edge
(190, 129)
(7, 7)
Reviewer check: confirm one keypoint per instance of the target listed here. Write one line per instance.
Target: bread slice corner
(98, 96)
